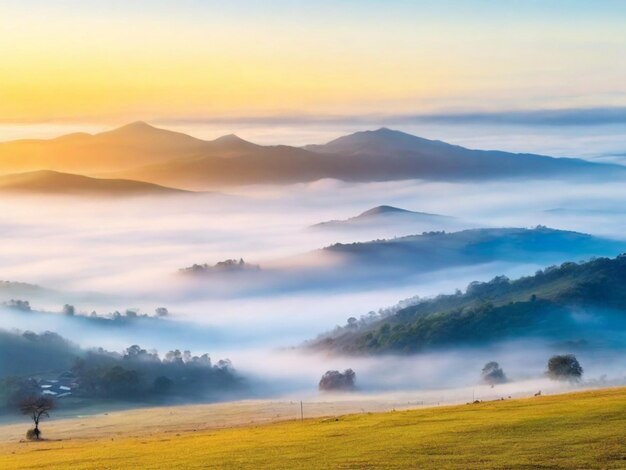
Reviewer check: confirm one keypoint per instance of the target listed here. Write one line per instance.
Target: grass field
(578, 430)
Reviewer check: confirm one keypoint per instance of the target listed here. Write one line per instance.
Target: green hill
(571, 302)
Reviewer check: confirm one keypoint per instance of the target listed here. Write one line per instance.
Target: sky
(96, 63)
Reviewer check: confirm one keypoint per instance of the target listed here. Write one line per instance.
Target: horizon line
(571, 116)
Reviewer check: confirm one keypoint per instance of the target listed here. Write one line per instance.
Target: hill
(12, 289)
(584, 303)
(53, 182)
(139, 151)
(578, 430)
(102, 378)
(404, 260)
(379, 215)
(387, 210)
(437, 250)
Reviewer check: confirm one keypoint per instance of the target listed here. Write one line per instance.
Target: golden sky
(114, 61)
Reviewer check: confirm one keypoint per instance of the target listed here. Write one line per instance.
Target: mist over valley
(255, 273)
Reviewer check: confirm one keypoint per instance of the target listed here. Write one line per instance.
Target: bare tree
(36, 408)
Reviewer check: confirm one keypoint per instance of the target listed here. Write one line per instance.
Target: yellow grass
(579, 430)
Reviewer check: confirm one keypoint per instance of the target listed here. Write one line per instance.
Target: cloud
(534, 117)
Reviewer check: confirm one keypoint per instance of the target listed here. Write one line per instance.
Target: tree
(119, 382)
(131, 313)
(333, 380)
(493, 374)
(69, 310)
(162, 385)
(36, 408)
(564, 367)
(161, 312)
(23, 305)
(174, 356)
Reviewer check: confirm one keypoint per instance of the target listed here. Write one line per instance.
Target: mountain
(380, 155)
(140, 151)
(129, 146)
(385, 215)
(389, 154)
(576, 305)
(52, 182)
(237, 162)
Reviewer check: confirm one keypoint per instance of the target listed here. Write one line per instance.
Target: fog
(447, 372)
(105, 255)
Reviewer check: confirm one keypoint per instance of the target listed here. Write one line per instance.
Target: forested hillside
(583, 302)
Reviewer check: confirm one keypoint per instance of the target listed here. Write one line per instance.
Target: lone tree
(333, 380)
(69, 310)
(493, 374)
(36, 408)
(564, 367)
(161, 312)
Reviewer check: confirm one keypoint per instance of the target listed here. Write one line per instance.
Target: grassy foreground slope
(580, 430)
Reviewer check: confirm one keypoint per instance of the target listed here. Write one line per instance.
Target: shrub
(333, 380)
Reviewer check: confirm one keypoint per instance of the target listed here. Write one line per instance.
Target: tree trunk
(36, 430)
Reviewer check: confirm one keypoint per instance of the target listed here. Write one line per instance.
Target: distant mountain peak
(384, 210)
(136, 126)
(390, 139)
(141, 132)
(231, 138)
(386, 131)
(382, 132)
(233, 143)
(385, 214)
(136, 129)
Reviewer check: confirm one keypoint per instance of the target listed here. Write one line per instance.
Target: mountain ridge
(54, 182)
(142, 152)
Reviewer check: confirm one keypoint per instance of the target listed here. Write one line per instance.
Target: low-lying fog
(116, 254)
